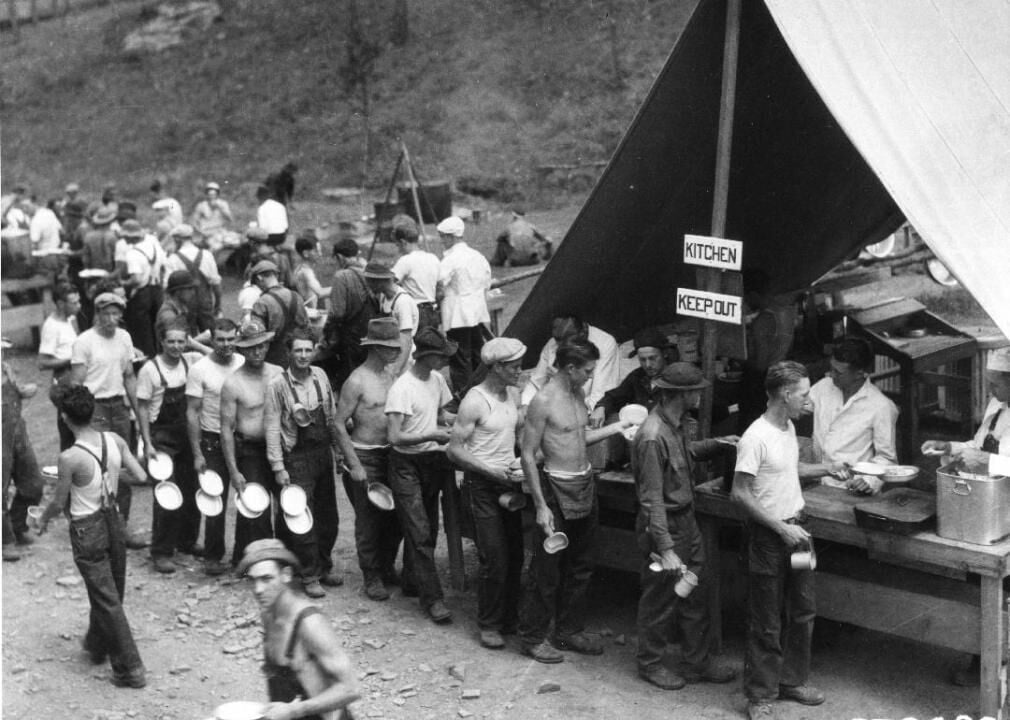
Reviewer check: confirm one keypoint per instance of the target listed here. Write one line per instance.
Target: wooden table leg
(451, 519)
(993, 638)
(709, 527)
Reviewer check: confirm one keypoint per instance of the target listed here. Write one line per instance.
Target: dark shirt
(351, 306)
(635, 388)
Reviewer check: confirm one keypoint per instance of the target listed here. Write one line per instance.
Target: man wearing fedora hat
(300, 434)
(483, 444)
(396, 303)
(99, 243)
(243, 431)
(365, 449)
(663, 458)
(280, 309)
(180, 308)
(351, 307)
(419, 471)
(145, 263)
(308, 675)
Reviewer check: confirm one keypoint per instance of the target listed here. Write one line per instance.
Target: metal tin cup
(380, 496)
(301, 415)
(803, 560)
(512, 501)
(34, 515)
(555, 542)
(686, 584)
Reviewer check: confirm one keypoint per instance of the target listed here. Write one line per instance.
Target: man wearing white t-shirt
(396, 303)
(418, 470)
(417, 272)
(271, 216)
(56, 347)
(145, 261)
(767, 485)
(203, 424)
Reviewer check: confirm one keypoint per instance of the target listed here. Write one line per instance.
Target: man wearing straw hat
(483, 444)
(663, 464)
(243, 432)
(308, 675)
(300, 432)
(365, 449)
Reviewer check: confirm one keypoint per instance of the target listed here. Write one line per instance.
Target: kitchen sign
(713, 252)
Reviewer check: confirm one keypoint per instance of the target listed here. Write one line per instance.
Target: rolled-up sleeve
(650, 466)
(272, 426)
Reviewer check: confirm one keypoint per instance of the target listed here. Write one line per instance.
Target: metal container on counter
(971, 507)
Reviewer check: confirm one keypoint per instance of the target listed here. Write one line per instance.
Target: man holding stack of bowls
(300, 431)
(662, 460)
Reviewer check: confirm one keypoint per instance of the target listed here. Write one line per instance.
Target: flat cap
(502, 349)
(185, 230)
(451, 226)
(109, 298)
(263, 266)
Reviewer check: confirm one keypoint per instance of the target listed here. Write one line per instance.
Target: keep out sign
(710, 306)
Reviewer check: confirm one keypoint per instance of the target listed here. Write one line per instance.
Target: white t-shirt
(206, 378)
(207, 266)
(145, 258)
(417, 273)
(419, 402)
(149, 381)
(272, 217)
(105, 360)
(403, 309)
(44, 229)
(772, 456)
(57, 338)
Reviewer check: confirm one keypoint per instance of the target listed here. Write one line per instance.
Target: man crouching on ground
(308, 675)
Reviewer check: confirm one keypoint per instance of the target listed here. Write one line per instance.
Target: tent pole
(389, 194)
(412, 178)
(710, 278)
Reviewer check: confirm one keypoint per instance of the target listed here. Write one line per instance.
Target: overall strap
(289, 652)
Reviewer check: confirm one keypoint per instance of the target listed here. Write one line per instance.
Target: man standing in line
(483, 444)
(243, 432)
(20, 466)
(396, 303)
(56, 347)
(180, 308)
(203, 425)
(308, 675)
(365, 449)
(102, 361)
(145, 261)
(767, 486)
(99, 243)
(556, 424)
(300, 431)
(280, 309)
(464, 278)
(663, 463)
(418, 470)
(202, 268)
(351, 307)
(417, 272)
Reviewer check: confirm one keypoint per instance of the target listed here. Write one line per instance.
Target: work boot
(661, 676)
(710, 672)
(132, 679)
(491, 639)
(375, 590)
(95, 656)
(803, 694)
(332, 578)
(439, 613)
(213, 568)
(164, 565)
(314, 590)
(543, 653)
(10, 553)
(579, 642)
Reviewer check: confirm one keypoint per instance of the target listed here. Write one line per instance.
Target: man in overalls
(280, 309)
(144, 262)
(161, 405)
(300, 431)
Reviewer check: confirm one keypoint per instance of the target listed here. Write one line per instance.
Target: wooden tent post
(412, 178)
(389, 194)
(710, 279)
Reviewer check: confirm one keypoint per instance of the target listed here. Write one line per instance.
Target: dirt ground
(200, 640)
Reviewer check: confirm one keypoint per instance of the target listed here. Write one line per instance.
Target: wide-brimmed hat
(131, 229)
(378, 271)
(253, 333)
(268, 549)
(430, 341)
(382, 331)
(109, 298)
(681, 376)
(451, 226)
(179, 280)
(502, 349)
(264, 266)
(650, 337)
(103, 215)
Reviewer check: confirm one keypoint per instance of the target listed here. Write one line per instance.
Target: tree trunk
(400, 34)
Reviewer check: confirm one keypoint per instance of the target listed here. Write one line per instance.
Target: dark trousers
(100, 555)
(498, 534)
(179, 529)
(21, 468)
(251, 458)
(557, 585)
(428, 316)
(780, 613)
(467, 358)
(214, 527)
(416, 481)
(311, 469)
(139, 318)
(377, 532)
(659, 607)
(112, 415)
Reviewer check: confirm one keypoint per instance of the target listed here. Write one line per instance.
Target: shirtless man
(366, 453)
(243, 434)
(308, 675)
(556, 424)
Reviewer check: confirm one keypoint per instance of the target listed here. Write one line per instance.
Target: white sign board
(710, 306)
(713, 252)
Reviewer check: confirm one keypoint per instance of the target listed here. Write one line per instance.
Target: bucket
(971, 508)
(384, 214)
(435, 199)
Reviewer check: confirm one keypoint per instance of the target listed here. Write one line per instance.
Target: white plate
(293, 500)
(299, 524)
(168, 495)
(161, 466)
(243, 510)
(634, 414)
(868, 468)
(50, 471)
(209, 505)
(211, 483)
(241, 710)
(90, 273)
(256, 498)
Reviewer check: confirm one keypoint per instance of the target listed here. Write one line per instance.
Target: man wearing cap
(99, 243)
(300, 432)
(70, 193)
(101, 359)
(19, 464)
(161, 413)
(56, 346)
(464, 277)
(662, 460)
(351, 307)
(564, 497)
(520, 243)
(180, 307)
(483, 444)
(417, 272)
(271, 216)
(243, 431)
(200, 265)
(365, 449)
(418, 470)
(212, 214)
(308, 675)
(203, 424)
(396, 303)
(261, 247)
(280, 309)
(145, 262)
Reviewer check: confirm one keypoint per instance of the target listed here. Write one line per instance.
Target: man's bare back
(564, 437)
(248, 390)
